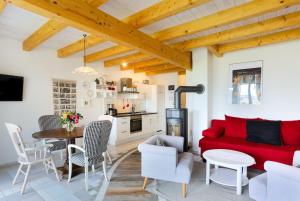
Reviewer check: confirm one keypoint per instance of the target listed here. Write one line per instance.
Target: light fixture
(85, 70)
(124, 64)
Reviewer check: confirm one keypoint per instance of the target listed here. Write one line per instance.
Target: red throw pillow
(290, 132)
(213, 132)
(236, 127)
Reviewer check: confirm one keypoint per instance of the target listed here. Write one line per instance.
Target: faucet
(133, 108)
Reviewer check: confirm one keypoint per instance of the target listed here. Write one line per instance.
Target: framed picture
(246, 83)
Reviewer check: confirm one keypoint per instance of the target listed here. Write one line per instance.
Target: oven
(135, 123)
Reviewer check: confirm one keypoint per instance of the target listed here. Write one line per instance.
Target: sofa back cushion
(290, 132)
(218, 123)
(235, 127)
(263, 131)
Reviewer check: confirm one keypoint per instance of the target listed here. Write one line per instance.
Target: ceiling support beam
(163, 9)
(272, 24)
(89, 19)
(154, 68)
(171, 70)
(278, 37)
(126, 59)
(244, 11)
(2, 5)
(143, 64)
(49, 29)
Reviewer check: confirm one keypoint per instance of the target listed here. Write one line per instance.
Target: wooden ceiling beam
(49, 29)
(265, 26)
(106, 53)
(244, 11)
(171, 70)
(278, 37)
(143, 64)
(126, 59)
(162, 9)
(89, 19)
(2, 5)
(154, 68)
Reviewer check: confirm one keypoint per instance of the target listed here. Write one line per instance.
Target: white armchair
(280, 182)
(168, 162)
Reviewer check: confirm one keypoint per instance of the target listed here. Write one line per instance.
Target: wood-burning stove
(177, 118)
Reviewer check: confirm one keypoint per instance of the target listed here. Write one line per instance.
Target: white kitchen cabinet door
(146, 124)
(123, 127)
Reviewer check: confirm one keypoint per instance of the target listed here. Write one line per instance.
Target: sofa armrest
(213, 132)
(154, 149)
(296, 159)
(173, 141)
(289, 172)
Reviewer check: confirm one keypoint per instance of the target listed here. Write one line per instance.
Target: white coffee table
(230, 167)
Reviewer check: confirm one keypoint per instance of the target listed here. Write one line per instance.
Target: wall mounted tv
(11, 88)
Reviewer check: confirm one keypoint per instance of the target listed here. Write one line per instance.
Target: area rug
(126, 184)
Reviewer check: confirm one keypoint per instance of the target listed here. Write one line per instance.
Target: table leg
(245, 171)
(207, 172)
(239, 181)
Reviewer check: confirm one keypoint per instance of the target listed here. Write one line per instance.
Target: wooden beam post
(2, 6)
(89, 19)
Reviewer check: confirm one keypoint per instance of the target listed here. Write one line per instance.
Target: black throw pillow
(267, 132)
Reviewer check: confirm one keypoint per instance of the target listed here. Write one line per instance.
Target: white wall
(281, 94)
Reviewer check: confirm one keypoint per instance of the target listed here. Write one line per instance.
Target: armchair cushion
(213, 132)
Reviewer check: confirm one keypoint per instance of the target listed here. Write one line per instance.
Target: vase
(69, 127)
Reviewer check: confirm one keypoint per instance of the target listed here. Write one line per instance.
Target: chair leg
(109, 158)
(70, 170)
(93, 168)
(145, 182)
(26, 178)
(86, 171)
(104, 170)
(17, 175)
(54, 168)
(184, 190)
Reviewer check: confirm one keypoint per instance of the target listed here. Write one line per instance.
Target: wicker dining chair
(95, 138)
(47, 122)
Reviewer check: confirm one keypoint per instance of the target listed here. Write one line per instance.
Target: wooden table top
(59, 133)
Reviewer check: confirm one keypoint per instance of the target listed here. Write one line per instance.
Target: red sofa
(231, 134)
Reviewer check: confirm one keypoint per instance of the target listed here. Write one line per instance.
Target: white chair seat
(78, 159)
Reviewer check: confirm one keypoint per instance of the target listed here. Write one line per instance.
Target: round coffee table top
(228, 157)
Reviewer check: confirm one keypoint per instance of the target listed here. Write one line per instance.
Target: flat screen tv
(11, 88)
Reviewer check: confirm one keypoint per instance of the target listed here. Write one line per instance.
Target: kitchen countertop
(133, 114)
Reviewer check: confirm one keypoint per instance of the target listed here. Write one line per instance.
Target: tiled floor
(45, 187)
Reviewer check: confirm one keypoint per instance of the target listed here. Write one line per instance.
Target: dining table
(69, 136)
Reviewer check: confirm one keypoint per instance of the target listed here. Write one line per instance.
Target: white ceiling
(11, 27)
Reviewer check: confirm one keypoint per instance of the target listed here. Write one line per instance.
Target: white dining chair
(95, 139)
(111, 119)
(27, 156)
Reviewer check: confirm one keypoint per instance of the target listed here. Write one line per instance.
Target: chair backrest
(95, 139)
(17, 140)
(105, 117)
(48, 122)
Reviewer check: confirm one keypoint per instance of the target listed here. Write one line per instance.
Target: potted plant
(69, 120)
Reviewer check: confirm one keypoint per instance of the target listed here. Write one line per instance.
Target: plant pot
(70, 127)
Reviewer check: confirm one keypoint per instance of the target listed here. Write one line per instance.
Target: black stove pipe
(199, 89)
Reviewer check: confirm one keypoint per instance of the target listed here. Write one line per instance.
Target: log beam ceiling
(244, 11)
(2, 6)
(90, 19)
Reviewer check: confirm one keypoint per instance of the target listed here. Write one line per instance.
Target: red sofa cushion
(260, 152)
(290, 132)
(236, 127)
(218, 123)
(213, 132)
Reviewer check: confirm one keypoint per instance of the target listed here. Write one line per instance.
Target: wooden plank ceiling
(245, 24)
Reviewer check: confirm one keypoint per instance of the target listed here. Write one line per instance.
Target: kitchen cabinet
(120, 130)
(149, 123)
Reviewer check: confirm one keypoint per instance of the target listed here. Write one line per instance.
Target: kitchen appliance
(135, 123)
(177, 118)
(111, 110)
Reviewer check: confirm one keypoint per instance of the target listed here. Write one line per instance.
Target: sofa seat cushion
(260, 152)
(258, 187)
(184, 167)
